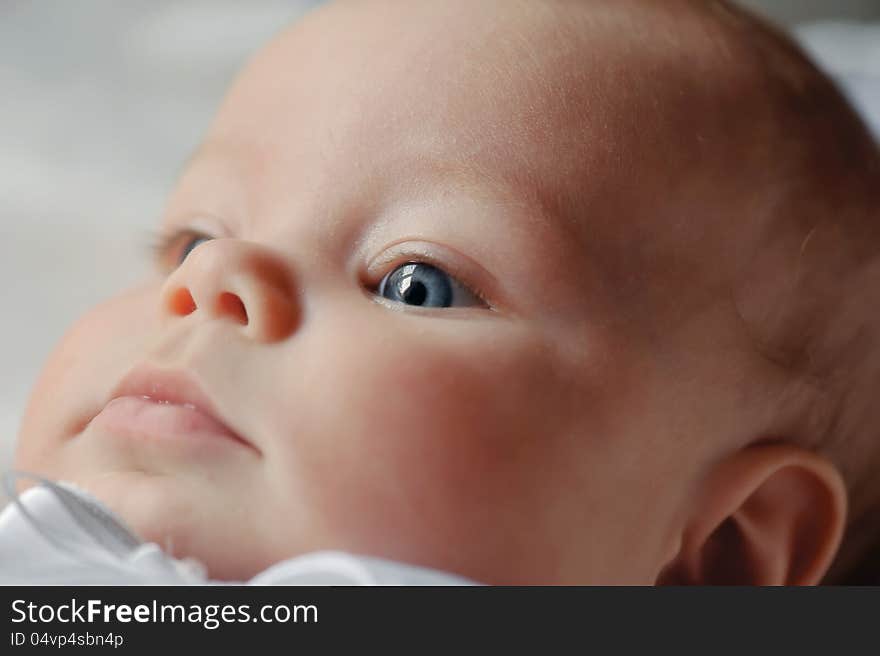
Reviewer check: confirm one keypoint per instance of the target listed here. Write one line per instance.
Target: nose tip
(234, 281)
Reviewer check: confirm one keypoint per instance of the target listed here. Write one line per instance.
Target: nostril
(181, 302)
(231, 305)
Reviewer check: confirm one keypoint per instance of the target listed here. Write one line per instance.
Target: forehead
(349, 92)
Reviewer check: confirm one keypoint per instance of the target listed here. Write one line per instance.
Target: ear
(771, 514)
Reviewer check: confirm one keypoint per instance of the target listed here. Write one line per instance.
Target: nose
(238, 281)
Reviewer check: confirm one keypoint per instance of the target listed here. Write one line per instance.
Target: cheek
(428, 431)
(91, 357)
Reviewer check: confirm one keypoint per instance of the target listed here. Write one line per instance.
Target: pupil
(416, 293)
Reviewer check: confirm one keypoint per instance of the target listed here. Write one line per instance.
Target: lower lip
(144, 418)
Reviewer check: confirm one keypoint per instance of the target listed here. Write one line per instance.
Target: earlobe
(770, 514)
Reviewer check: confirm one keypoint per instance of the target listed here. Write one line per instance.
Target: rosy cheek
(427, 437)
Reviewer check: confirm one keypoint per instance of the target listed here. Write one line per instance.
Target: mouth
(161, 404)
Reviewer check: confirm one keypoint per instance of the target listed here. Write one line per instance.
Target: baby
(531, 292)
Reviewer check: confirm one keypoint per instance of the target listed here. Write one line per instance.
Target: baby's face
(462, 339)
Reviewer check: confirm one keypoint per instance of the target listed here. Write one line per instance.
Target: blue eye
(423, 285)
(190, 245)
(166, 247)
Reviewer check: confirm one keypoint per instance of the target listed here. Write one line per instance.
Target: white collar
(56, 534)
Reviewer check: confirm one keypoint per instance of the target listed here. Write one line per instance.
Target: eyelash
(160, 244)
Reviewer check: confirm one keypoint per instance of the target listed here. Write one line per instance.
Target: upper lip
(178, 387)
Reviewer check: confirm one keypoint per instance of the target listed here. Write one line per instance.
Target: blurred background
(796, 11)
(101, 102)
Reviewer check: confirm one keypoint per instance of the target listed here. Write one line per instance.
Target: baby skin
(534, 292)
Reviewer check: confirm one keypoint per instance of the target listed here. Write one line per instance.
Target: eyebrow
(426, 177)
(221, 149)
(477, 181)
(204, 150)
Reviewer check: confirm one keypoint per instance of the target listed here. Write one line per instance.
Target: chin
(176, 515)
